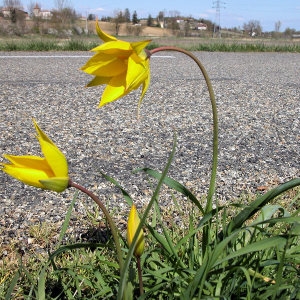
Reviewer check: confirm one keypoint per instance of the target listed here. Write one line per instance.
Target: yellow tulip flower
(132, 225)
(121, 65)
(49, 172)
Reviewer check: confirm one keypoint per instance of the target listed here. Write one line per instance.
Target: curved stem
(111, 223)
(212, 186)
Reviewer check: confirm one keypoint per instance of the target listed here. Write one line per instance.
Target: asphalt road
(258, 96)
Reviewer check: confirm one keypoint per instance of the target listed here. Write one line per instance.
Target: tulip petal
(27, 175)
(98, 81)
(114, 90)
(104, 36)
(139, 46)
(146, 84)
(118, 48)
(30, 162)
(55, 158)
(136, 74)
(105, 65)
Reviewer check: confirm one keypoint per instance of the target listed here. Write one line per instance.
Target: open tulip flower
(49, 172)
(132, 225)
(121, 65)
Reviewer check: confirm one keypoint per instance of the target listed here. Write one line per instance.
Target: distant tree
(16, 16)
(174, 14)
(64, 14)
(14, 7)
(91, 17)
(31, 6)
(61, 4)
(253, 27)
(187, 28)
(135, 19)
(149, 21)
(161, 19)
(289, 32)
(12, 4)
(118, 19)
(106, 19)
(277, 26)
(127, 15)
(64, 17)
(37, 20)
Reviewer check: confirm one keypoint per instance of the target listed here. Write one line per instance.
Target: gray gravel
(258, 96)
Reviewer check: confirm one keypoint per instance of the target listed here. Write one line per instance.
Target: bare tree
(118, 19)
(16, 4)
(161, 19)
(30, 7)
(16, 15)
(277, 26)
(64, 14)
(253, 28)
(61, 4)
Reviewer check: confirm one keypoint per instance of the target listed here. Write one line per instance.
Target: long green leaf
(125, 194)
(123, 277)
(254, 247)
(255, 206)
(66, 222)
(278, 220)
(63, 249)
(9, 292)
(174, 185)
(42, 285)
(210, 257)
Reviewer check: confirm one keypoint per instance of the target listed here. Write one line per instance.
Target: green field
(48, 43)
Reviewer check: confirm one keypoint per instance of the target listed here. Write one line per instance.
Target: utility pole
(217, 6)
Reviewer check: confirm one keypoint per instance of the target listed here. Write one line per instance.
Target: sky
(233, 13)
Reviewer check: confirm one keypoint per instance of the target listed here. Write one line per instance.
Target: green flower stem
(212, 186)
(109, 219)
(139, 267)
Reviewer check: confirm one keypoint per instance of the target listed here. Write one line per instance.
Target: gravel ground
(258, 100)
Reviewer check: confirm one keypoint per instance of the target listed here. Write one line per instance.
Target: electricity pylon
(217, 6)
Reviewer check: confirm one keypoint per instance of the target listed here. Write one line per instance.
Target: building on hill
(8, 12)
(43, 14)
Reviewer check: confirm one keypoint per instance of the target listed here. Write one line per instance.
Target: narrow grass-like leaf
(286, 220)
(66, 222)
(268, 211)
(167, 239)
(42, 285)
(125, 194)
(9, 292)
(256, 205)
(65, 248)
(174, 185)
(254, 247)
(209, 259)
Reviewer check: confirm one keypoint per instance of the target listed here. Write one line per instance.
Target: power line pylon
(218, 5)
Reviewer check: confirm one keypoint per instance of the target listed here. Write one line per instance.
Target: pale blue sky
(233, 12)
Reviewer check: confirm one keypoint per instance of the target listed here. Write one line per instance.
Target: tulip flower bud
(132, 225)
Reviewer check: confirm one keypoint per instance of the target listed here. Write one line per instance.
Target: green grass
(46, 45)
(257, 260)
(192, 44)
